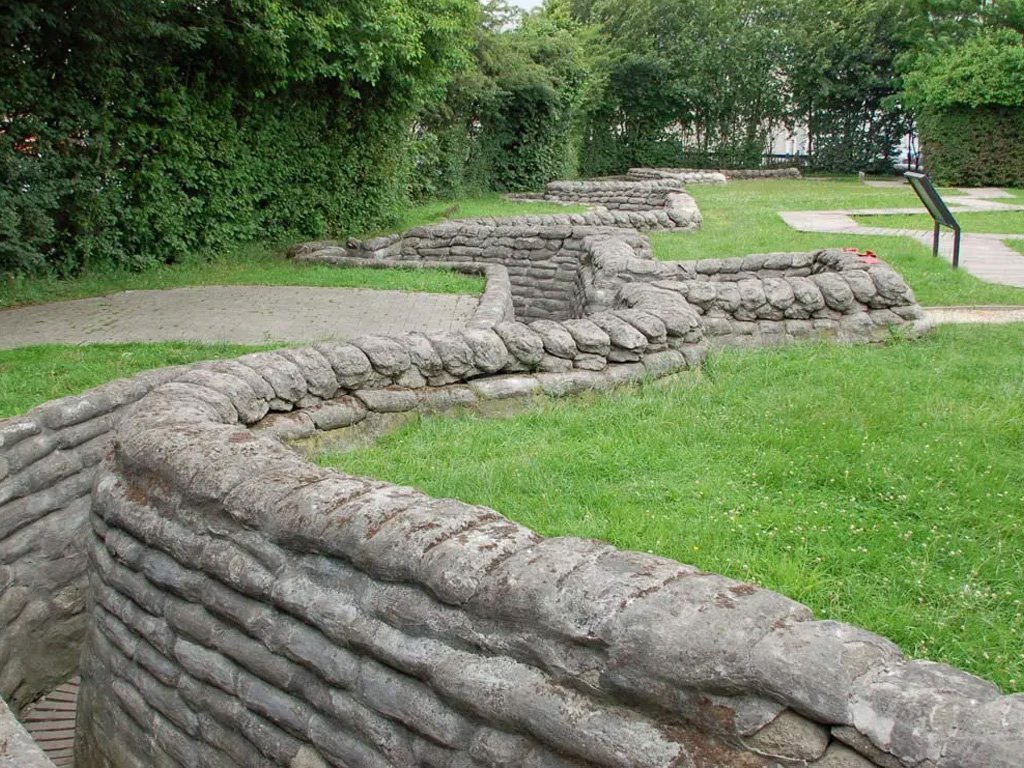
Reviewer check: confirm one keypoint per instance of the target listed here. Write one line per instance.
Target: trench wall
(617, 195)
(248, 608)
(543, 262)
(545, 255)
(761, 299)
(765, 299)
(251, 609)
(48, 460)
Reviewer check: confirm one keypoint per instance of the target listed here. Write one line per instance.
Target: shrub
(133, 133)
(969, 104)
(974, 146)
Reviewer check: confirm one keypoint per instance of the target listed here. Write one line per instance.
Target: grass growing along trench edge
(742, 217)
(265, 264)
(876, 485)
(881, 486)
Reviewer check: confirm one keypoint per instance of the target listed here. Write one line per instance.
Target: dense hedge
(132, 133)
(982, 146)
(969, 103)
(196, 178)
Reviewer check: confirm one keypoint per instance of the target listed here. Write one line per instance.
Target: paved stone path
(986, 256)
(986, 315)
(243, 314)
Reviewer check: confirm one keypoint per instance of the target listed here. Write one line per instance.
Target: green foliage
(707, 83)
(974, 147)
(683, 79)
(986, 70)
(264, 264)
(968, 97)
(840, 64)
(133, 133)
(509, 122)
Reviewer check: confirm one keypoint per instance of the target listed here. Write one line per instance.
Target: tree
(841, 75)
(134, 132)
(968, 97)
(509, 120)
(685, 79)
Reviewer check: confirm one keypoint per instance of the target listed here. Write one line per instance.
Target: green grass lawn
(257, 264)
(741, 217)
(879, 485)
(999, 222)
(478, 207)
(253, 265)
(30, 376)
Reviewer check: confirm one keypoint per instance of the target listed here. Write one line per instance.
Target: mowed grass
(880, 485)
(263, 264)
(491, 205)
(742, 217)
(30, 376)
(998, 222)
(250, 265)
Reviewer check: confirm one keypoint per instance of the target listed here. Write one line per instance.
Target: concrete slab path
(986, 256)
(983, 315)
(243, 314)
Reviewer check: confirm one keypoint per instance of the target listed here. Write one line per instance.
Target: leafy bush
(986, 70)
(509, 122)
(974, 146)
(969, 104)
(133, 133)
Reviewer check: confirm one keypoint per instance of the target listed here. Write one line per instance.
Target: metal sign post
(939, 212)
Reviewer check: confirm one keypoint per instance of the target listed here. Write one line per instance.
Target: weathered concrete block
(622, 334)
(807, 293)
(829, 651)
(455, 353)
(588, 336)
(779, 293)
(556, 338)
(834, 290)
(503, 387)
(392, 400)
(890, 707)
(351, 365)
(286, 379)
(443, 398)
(790, 737)
(334, 414)
(489, 351)
(387, 356)
(422, 354)
(317, 370)
(650, 325)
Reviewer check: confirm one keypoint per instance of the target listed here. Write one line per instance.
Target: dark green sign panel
(939, 211)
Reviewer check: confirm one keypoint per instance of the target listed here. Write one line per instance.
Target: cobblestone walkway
(242, 314)
(986, 256)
